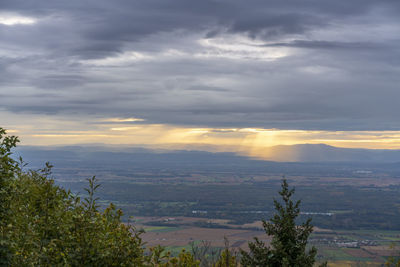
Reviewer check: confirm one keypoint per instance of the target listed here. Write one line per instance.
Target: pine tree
(289, 241)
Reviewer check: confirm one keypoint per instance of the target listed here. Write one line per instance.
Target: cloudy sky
(229, 73)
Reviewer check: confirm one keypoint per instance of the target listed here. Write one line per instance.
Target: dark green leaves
(289, 241)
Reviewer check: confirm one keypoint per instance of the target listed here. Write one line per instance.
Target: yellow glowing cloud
(257, 142)
(123, 120)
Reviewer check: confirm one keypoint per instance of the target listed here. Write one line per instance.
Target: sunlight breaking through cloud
(15, 19)
(240, 47)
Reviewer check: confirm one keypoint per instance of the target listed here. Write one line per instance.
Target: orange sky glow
(135, 132)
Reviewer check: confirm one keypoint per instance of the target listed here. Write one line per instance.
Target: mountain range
(306, 153)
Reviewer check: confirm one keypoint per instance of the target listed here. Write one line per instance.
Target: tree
(8, 168)
(228, 257)
(289, 241)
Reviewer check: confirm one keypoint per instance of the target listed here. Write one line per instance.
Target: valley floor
(338, 247)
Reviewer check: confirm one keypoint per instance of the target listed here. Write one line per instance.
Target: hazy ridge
(282, 153)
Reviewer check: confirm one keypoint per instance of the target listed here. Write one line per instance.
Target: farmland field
(340, 248)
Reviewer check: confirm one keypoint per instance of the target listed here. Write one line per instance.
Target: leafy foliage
(289, 241)
(49, 226)
(228, 257)
(8, 170)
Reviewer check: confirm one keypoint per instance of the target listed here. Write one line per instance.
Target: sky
(214, 75)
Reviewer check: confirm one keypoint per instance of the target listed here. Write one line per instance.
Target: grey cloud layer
(284, 64)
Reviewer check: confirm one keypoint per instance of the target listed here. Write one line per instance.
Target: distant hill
(310, 153)
(325, 153)
(117, 157)
(308, 160)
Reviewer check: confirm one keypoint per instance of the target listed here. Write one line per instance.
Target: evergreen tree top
(289, 241)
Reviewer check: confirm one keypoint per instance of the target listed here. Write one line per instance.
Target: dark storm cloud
(285, 64)
(207, 88)
(102, 27)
